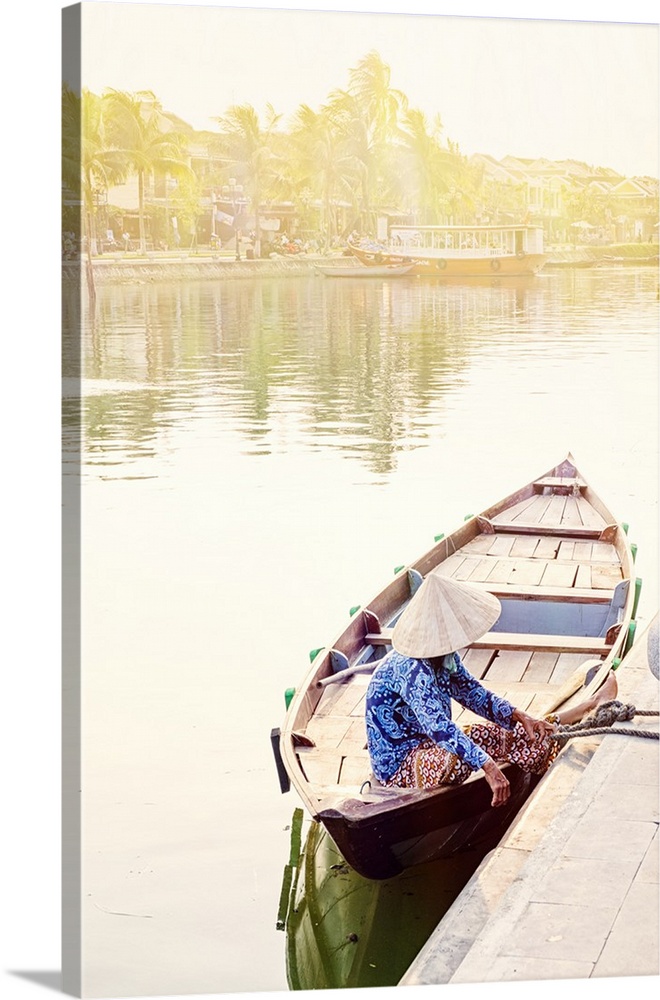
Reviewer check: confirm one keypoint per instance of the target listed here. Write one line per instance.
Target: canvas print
(360, 476)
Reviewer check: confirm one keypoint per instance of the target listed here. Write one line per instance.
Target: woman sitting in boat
(412, 740)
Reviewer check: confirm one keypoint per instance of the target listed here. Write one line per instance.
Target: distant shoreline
(180, 266)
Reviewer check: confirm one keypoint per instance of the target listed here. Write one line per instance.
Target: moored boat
(562, 568)
(456, 251)
(359, 270)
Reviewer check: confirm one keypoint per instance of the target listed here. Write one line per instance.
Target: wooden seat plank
(605, 576)
(584, 595)
(355, 739)
(583, 577)
(524, 546)
(526, 571)
(538, 705)
(360, 707)
(604, 552)
(540, 667)
(571, 514)
(328, 731)
(547, 547)
(566, 549)
(566, 664)
(520, 695)
(476, 661)
(352, 695)
(569, 483)
(355, 769)
(590, 517)
(582, 550)
(508, 667)
(467, 567)
(554, 511)
(449, 565)
(479, 545)
(329, 697)
(551, 643)
(518, 509)
(382, 638)
(482, 570)
(320, 768)
(500, 572)
(555, 530)
(502, 545)
(531, 511)
(559, 574)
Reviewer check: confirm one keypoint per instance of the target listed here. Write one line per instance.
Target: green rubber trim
(353, 610)
(625, 526)
(638, 591)
(313, 653)
(397, 569)
(616, 663)
(633, 549)
(438, 538)
(288, 696)
(468, 517)
(630, 638)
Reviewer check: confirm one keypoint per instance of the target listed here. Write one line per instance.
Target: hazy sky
(586, 90)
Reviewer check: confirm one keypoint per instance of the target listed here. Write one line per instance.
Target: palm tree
(380, 103)
(432, 172)
(250, 147)
(88, 166)
(368, 114)
(324, 164)
(352, 127)
(146, 140)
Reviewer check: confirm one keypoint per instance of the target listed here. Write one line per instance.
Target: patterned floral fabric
(429, 765)
(409, 702)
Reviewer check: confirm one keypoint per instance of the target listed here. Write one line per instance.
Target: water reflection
(345, 931)
(358, 366)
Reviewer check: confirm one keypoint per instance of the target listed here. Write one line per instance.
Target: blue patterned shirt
(409, 700)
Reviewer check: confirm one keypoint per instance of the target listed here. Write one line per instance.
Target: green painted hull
(343, 930)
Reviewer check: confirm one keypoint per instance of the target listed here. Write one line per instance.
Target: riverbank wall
(135, 269)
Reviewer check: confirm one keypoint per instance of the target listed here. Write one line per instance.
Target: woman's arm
(470, 693)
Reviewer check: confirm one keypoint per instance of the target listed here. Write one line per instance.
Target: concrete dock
(571, 891)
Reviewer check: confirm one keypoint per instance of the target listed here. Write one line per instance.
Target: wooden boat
(359, 270)
(562, 567)
(457, 251)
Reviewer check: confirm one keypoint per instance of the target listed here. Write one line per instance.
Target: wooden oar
(357, 668)
(581, 677)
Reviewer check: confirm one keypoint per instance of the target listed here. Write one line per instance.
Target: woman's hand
(498, 782)
(535, 729)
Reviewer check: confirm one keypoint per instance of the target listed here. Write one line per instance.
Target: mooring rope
(601, 723)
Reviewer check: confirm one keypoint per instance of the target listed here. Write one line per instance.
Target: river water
(258, 456)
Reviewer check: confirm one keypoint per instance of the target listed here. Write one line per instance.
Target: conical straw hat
(443, 616)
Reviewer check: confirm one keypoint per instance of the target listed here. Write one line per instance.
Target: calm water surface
(258, 456)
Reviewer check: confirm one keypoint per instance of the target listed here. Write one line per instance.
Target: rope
(601, 723)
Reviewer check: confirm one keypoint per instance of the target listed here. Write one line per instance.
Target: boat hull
(360, 270)
(502, 265)
(380, 845)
